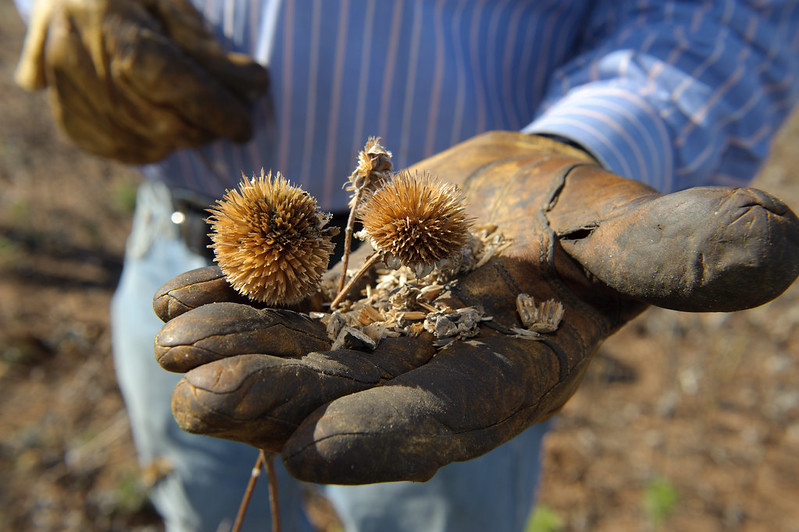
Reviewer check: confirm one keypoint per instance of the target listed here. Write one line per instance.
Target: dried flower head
(374, 169)
(270, 240)
(415, 220)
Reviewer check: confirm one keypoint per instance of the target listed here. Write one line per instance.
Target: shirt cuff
(618, 128)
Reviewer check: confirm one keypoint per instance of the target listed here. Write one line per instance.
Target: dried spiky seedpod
(270, 240)
(415, 220)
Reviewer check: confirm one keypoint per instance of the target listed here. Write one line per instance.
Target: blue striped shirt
(672, 93)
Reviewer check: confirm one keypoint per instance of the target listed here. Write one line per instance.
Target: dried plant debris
(373, 170)
(273, 245)
(354, 338)
(402, 303)
(537, 318)
(484, 243)
(456, 324)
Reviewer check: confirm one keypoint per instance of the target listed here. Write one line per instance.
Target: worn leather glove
(134, 80)
(604, 246)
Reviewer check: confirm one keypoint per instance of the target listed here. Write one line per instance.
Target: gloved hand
(134, 80)
(604, 246)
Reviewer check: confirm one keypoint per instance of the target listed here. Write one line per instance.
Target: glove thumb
(29, 74)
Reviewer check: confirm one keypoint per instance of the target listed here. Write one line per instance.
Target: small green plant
(123, 197)
(9, 252)
(544, 519)
(660, 500)
(130, 493)
(20, 211)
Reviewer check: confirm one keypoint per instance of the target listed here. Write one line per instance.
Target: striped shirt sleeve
(678, 94)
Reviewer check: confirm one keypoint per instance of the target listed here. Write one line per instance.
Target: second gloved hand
(134, 80)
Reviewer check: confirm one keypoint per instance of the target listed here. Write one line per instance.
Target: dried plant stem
(267, 461)
(274, 501)
(245, 501)
(345, 257)
(374, 167)
(368, 263)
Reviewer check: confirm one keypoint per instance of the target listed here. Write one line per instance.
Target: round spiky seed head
(270, 240)
(416, 220)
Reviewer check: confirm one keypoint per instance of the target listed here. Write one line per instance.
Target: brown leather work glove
(134, 80)
(603, 246)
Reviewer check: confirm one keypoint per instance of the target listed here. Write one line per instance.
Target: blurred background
(684, 422)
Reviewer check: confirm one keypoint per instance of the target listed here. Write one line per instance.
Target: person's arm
(679, 94)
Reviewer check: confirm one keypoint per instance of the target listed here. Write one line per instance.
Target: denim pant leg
(492, 492)
(209, 475)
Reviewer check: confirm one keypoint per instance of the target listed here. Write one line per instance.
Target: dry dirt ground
(685, 422)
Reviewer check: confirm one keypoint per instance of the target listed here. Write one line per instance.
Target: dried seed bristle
(270, 240)
(416, 220)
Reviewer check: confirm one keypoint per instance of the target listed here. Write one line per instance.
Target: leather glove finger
(206, 285)
(262, 399)
(705, 249)
(470, 398)
(29, 73)
(193, 289)
(212, 332)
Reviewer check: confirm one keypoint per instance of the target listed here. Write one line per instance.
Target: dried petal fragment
(541, 318)
(369, 314)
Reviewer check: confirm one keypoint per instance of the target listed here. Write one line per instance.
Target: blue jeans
(208, 477)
